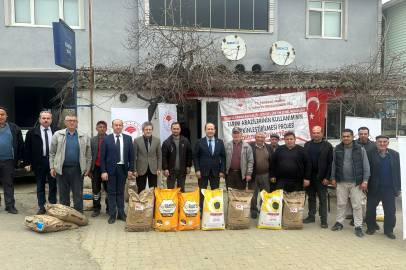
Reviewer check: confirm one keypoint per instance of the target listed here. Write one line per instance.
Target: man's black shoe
(324, 224)
(122, 217)
(358, 232)
(11, 210)
(112, 219)
(370, 231)
(377, 227)
(352, 222)
(41, 211)
(391, 235)
(254, 215)
(96, 212)
(309, 219)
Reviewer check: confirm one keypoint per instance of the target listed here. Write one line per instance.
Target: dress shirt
(213, 146)
(49, 132)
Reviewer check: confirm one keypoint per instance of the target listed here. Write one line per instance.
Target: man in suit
(384, 184)
(209, 160)
(262, 153)
(36, 158)
(116, 164)
(95, 172)
(148, 157)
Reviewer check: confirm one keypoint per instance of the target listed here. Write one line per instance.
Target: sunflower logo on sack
(216, 204)
(273, 204)
(169, 118)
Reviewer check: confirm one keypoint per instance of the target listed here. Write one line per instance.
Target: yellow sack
(189, 211)
(271, 210)
(166, 209)
(213, 210)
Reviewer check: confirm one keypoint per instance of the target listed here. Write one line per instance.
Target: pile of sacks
(87, 200)
(61, 218)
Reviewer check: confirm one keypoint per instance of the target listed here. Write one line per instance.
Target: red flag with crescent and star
(316, 101)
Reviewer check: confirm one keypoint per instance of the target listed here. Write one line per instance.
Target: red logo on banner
(168, 120)
(133, 128)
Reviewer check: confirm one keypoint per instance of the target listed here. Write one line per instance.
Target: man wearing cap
(239, 162)
(274, 141)
(36, 158)
(95, 173)
(11, 154)
(262, 154)
(384, 185)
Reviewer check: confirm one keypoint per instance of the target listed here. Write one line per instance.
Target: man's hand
(53, 173)
(273, 180)
(105, 176)
(27, 168)
(364, 187)
(166, 173)
(334, 183)
(306, 183)
(19, 163)
(325, 182)
(198, 175)
(248, 178)
(87, 172)
(135, 174)
(158, 172)
(399, 192)
(129, 174)
(222, 175)
(187, 170)
(90, 175)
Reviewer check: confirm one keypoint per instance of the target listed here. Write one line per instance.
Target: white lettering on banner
(274, 114)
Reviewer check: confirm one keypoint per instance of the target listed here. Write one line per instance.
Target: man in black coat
(11, 154)
(36, 158)
(291, 166)
(177, 158)
(321, 155)
(384, 184)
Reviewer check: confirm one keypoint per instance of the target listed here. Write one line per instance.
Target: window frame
(343, 18)
(10, 15)
(270, 19)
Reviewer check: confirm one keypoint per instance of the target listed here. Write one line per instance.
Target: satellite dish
(233, 47)
(282, 53)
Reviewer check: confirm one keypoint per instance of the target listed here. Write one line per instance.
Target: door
(211, 114)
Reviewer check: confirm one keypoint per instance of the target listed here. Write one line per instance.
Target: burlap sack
(45, 223)
(293, 207)
(66, 213)
(87, 194)
(239, 206)
(87, 205)
(140, 211)
(130, 183)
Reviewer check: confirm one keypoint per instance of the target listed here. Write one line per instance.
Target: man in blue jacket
(209, 160)
(116, 164)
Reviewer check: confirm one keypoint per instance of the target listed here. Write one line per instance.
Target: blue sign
(64, 45)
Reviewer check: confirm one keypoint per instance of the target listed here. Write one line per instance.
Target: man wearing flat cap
(384, 185)
(274, 141)
(239, 161)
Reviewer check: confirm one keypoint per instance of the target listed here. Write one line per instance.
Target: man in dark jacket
(349, 174)
(384, 184)
(260, 179)
(36, 158)
(321, 155)
(11, 154)
(291, 166)
(177, 158)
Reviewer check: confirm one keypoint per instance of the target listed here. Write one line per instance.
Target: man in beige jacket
(148, 158)
(70, 158)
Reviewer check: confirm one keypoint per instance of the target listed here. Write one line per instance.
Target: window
(325, 19)
(41, 13)
(236, 15)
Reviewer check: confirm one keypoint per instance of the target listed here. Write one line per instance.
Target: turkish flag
(316, 101)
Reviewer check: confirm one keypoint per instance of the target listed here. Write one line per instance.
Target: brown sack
(87, 205)
(87, 194)
(140, 211)
(45, 223)
(66, 213)
(130, 183)
(239, 206)
(293, 207)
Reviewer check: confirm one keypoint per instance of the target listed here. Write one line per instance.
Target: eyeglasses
(71, 121)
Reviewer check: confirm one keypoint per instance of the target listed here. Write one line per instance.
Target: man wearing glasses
(70, 158)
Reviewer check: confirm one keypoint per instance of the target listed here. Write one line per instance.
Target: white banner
(402, 154)
(275, 114)
(167, 115)
(354, 123)
(132, 120)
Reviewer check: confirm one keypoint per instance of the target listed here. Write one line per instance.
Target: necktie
(46, 143)
(118, 148)
(211, 149)
(149, 145)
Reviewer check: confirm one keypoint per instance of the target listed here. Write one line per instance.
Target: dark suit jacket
(108, 154)
(325, 159)
(254, 153)
(205, 162)
(375, 169)
(33, 151)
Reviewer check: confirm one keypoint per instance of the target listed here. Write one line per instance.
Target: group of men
(64, 157)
